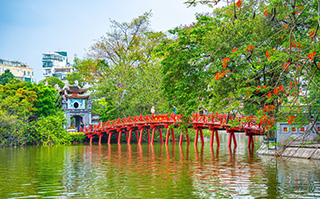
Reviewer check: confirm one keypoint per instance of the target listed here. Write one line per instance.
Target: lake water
(112, 171)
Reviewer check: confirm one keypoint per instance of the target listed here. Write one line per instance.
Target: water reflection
(154, 171)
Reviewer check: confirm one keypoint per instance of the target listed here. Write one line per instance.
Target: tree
(123, 70)
(246, 57)
(6, 77)
(27, 111)
(53, 81)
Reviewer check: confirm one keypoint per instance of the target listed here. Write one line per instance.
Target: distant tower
(76, 105)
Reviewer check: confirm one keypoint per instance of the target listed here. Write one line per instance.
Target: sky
(29, 28)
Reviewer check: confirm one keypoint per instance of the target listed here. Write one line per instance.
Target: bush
(77, 136)
(49, 130)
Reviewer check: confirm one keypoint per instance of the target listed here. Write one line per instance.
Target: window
(28, 73)
(319, 128)
(302, 129)
(285, 129)
(294, 129)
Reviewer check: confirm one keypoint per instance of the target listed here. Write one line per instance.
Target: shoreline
(294, 150)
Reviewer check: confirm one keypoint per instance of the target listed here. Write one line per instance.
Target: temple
(77, 106)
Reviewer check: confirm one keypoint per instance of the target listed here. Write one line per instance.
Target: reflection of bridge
(213, 122)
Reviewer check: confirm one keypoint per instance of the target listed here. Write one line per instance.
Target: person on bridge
(153, 110)
(201, 110)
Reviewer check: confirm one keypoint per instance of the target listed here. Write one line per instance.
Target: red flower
(311, 33)
(239, 3)
(234, 50)
(268, 54)
(291, 119)
(269, 95)
(311, 55)
(286, 66)
(225, 62)
(251, 47)
(266, 13)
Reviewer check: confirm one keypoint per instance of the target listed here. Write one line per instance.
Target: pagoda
(76, 104)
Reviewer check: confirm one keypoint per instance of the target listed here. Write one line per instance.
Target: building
(56, 64)
(77, 106)
(19, 70)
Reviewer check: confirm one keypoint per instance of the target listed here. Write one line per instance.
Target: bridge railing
(213, 120)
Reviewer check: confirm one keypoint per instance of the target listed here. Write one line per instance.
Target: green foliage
(80, 77)
(6, 77)
(123, 71)
(21, 103)
(247, 58)
(77, 136)
(49, 130)
(52, 81)
(12, 130)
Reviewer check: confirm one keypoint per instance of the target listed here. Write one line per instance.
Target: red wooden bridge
(213, 122)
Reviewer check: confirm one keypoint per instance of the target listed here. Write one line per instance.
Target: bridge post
(152, 136)
(100, 139)
(181, 138)
(250, 141)
(137, 134)
(196, 138)
(234, 139)
(109, 137)
(167, 137)
(212, 137)
(217, 138)
(148, 132)
(173, 138)
(129, 138)
(232, 136)
(91, 140)
(119, 137)
(187, 135)
(140, 139)
(161, 139)
(126, 136)
(229, 140)
(201, 136)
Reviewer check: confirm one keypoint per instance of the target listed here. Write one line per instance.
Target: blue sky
(29, 28)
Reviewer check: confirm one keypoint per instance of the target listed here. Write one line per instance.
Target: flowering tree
(258, 58)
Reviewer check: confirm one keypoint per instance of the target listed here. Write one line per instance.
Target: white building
(19, 70)
(56, 64)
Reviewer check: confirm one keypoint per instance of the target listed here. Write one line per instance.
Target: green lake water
(133, 171)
